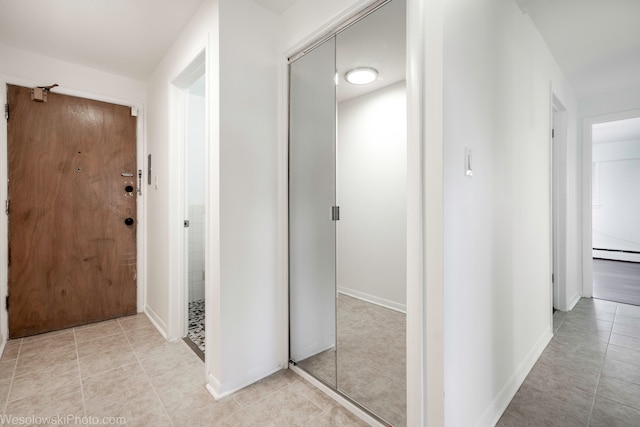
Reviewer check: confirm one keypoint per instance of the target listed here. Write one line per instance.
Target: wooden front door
(72, 212)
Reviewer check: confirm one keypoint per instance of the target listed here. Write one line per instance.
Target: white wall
(196, 256)
(372, 195)
(23, 65)
(165, 197)
(245, 310)
(306, 19)
(615, 198)
(196, 134)
(610, 102)
(29, 69)
(252, 288)
(498, 75)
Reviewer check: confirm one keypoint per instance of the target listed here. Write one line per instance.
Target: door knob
(128, 221)
(128, 189)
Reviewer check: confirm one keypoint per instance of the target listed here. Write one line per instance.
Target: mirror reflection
(348, 149)
(312, 244)
(371, 233)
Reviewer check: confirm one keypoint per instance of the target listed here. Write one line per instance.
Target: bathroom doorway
(189, 209)
(195, 192)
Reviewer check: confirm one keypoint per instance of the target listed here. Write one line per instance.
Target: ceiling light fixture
(361, 75)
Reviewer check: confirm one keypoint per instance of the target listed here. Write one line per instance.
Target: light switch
(468, 170)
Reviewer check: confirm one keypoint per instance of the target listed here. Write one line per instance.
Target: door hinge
(335, 213)
(6, 302)
(553, 133)
(186, 223)
(6, 207)
(6, 111)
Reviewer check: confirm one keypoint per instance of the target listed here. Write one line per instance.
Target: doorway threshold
(194, 347)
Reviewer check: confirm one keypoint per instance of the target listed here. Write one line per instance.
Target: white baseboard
(346, 403)
(573, 301)
(213, 385)
(396, 306)
(157, 321)
(219, 390)
(499, 404)
(3, 344)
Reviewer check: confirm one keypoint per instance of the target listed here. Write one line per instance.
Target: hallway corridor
(589, 374)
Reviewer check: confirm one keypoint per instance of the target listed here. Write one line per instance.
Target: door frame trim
(558, 151)
(141, 232)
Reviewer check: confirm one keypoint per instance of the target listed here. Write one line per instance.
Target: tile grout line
(146, 375)
(296, 390)
(595, 394)
(15, 368)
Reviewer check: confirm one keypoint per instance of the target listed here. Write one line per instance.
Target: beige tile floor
(589, 375)
(369, 365)
(371, 358)
(125, 368)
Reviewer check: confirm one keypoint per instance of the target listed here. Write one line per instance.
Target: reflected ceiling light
(361, 75)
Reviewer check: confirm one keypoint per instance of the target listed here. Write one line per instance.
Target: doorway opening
(189, 101)
(615, 201)
(195, 209)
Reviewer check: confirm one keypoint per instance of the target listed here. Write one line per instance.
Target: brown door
(72, 213)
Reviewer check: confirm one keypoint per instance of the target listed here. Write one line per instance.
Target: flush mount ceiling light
(361, 75)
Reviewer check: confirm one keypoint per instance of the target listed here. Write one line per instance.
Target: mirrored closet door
(347, 202)
(312, 195)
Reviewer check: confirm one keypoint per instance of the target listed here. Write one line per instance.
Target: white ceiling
(125, 37)
(276, 6)
(595, 42)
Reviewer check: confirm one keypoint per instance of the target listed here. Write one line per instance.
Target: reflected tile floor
(589, 374)
(371, 358)
(94, 374)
